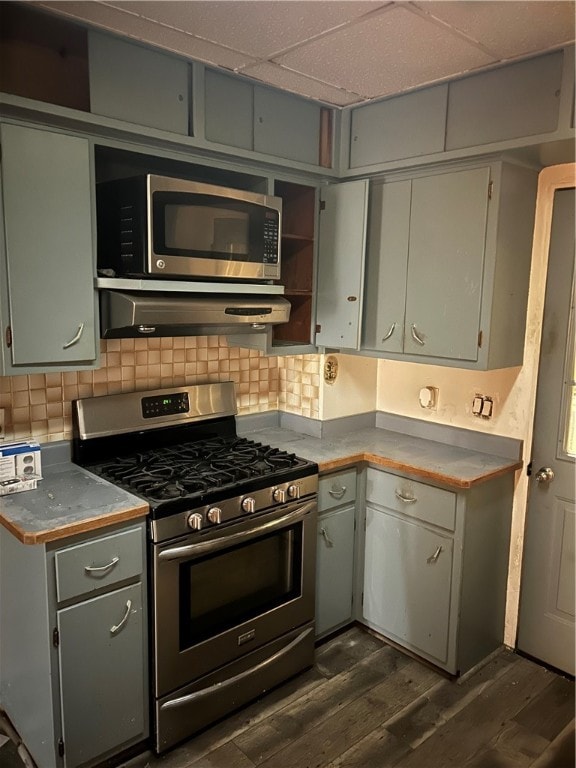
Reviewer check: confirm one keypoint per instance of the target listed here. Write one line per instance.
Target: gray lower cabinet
(335, 553)
(448, 266)
(74, 669)
(47, 299)
(435, 566)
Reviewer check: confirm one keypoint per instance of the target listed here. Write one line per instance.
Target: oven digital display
(165, 405)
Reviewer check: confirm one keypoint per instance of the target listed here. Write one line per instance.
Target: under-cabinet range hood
(136, 315)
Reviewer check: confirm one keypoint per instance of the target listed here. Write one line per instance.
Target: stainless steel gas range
(232, 549)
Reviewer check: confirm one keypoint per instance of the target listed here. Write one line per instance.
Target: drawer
(336, 489)
(102, 562)
(413, 499)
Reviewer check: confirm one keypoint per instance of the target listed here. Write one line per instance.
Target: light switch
(486, 408)
(477, 405)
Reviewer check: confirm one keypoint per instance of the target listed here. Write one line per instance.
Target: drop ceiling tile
(509, 29)
(388, 53)
(105, 17)
(259, 28)
(289, 80)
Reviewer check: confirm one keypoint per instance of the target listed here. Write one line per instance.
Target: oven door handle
(182, 701)
(203, 547)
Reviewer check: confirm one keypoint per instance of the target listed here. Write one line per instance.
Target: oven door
(224, 593)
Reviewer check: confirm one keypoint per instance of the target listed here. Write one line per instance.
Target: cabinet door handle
(327, 539)
(405, 499)
(434, 557)
(337, 493)
(390, 332)
(75, 338)
(418, 339)
(117, 627)
(101, 568)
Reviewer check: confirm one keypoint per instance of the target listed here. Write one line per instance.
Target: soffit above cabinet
(340, 53)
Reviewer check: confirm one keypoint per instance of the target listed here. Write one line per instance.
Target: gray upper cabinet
(225, 96)
(520, 99)
(260, 119)
(448, 263)
(47, 207)
(403, 126)
(138, 85)
(341, 264)
(286, 126)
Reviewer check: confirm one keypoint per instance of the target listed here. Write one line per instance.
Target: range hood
(140, 314)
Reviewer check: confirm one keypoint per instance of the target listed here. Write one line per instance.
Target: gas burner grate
(195, 468)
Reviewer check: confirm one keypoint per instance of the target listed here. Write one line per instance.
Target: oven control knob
(214, 515)
(195, 521)
(248, 504)
(279, 495)
(294, 491)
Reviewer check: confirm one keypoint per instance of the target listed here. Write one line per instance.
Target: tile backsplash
(39, 405)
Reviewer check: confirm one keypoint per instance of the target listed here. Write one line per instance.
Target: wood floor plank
(473, 727)
(446, 699)
(297, 718)
(343, 651)
(562, 751)
(513, 746)
(353, 721)
(549, 712)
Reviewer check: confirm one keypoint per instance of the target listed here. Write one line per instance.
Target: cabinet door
(286, 126)
(137, 84)
(46, 187)
(446, 264)
(334, 569)
(521, 99)
(386, 266)
(225, 96)
(402, 126)
(102, 674)
(408, 582)
(341, 264)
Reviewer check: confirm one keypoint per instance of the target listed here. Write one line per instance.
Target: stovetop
(178, 450)
(189, 474)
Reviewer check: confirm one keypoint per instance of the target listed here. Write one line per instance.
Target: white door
(546, 619)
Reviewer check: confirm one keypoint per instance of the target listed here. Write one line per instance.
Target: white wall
(354, 390)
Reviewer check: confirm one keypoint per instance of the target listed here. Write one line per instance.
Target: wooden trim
(72, 529)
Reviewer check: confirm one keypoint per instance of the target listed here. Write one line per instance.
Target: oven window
(220, 591)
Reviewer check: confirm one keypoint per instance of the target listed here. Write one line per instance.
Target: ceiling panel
(507, 28)
(398, 50)
(259, 28)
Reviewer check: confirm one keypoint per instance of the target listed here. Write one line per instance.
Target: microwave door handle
(203, 547)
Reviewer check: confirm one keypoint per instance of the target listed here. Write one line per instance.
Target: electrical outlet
(2, 423)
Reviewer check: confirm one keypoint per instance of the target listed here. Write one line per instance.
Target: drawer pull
(337, 494)
(327, 539)
(432, 559)
(75, 339)
(405, 499)
(99, 569)
(117, 627)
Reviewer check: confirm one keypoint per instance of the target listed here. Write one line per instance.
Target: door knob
(545, 475)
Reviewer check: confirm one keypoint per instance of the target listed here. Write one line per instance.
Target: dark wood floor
(366, 705)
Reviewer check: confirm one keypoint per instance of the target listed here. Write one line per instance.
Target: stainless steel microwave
(160, 227)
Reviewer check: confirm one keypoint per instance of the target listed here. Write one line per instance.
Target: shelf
(297, 238)
(185, 286)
